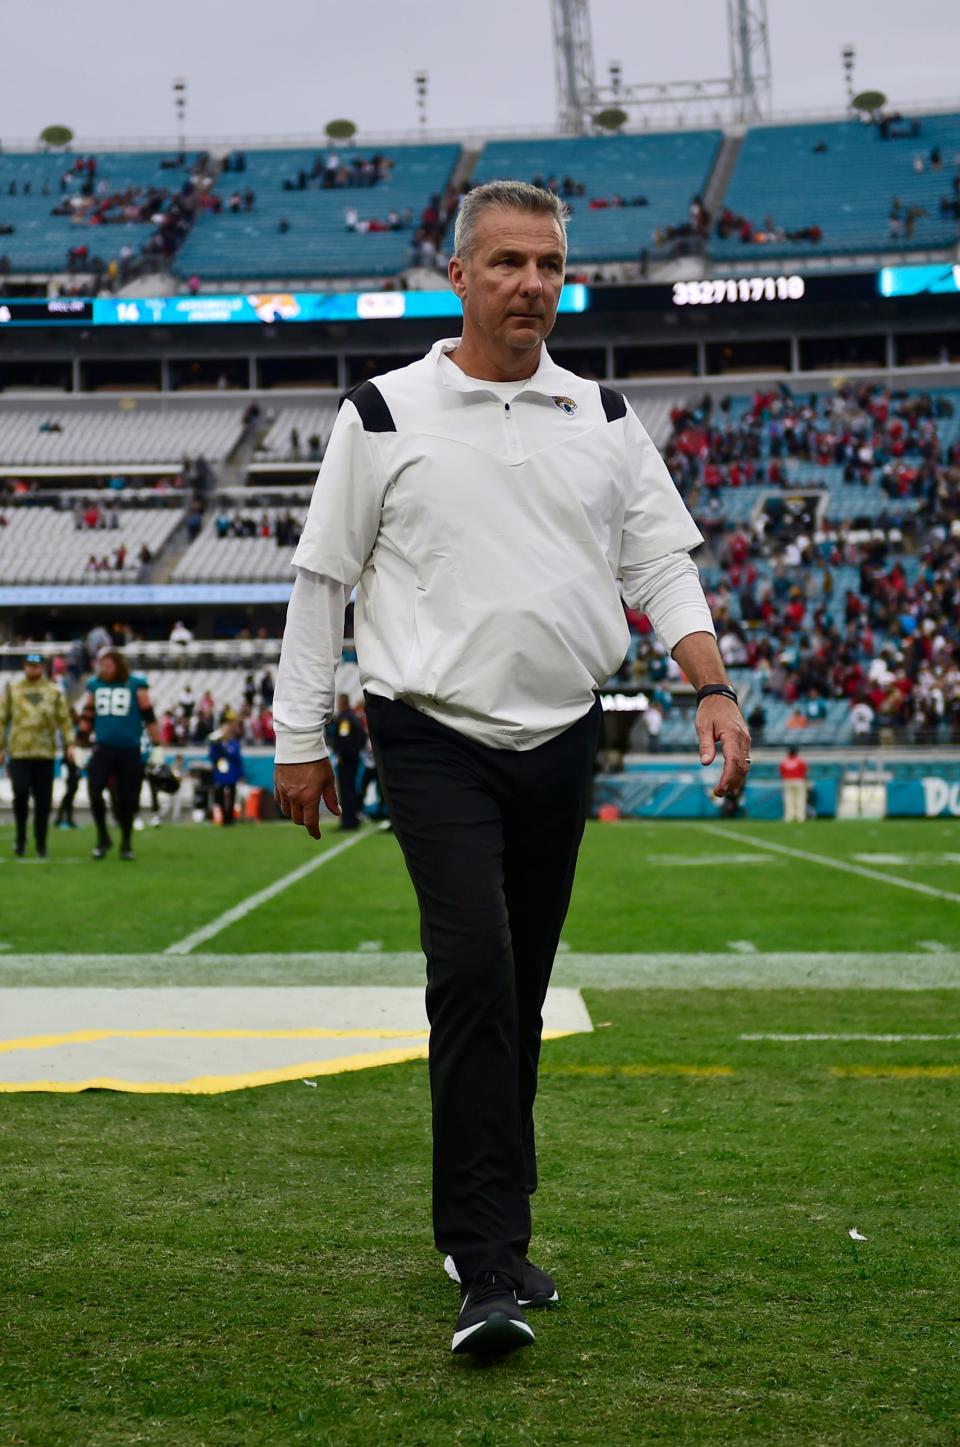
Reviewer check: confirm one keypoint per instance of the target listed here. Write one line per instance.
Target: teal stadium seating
(846, 190)
(40, 242)
(232, 246)
(669, 169)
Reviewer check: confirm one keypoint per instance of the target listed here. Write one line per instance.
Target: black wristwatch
(723, 689)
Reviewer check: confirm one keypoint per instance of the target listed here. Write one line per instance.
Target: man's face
(107, 668)
(33, 671)
(510, 283)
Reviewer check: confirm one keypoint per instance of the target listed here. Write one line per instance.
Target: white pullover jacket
(486, 526)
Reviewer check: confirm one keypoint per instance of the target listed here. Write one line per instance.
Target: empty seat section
(120, 433)
(842, 177)
(44, 545)
(317, 243)
(667, 169)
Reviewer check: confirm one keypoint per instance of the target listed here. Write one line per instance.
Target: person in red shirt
(793, 772)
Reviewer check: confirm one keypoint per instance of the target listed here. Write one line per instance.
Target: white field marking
(875, 1039)
(253, 901)
(370, 947)
(934, 947)
(742, 947)
(563, 948)
(700, 860)
(907, 859)
(718, 969)
(842, 864)
(46, 862)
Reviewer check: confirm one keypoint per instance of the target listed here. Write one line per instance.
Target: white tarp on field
(208, 1039)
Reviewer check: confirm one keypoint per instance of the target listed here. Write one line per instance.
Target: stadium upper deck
(798, 190)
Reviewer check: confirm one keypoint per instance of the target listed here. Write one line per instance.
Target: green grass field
(255, 1269)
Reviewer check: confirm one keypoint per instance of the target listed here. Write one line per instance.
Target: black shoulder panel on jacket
(374, 412)
(614, 404)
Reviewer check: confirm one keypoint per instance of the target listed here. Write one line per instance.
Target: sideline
(253, 901)
(841, 864)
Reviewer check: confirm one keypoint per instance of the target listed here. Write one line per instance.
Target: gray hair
(513, 195)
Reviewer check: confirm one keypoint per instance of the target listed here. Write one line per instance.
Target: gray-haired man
(486, 502)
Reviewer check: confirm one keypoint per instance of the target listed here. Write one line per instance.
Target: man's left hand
(719, 721)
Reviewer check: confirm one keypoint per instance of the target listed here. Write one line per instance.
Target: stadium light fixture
(180, 106)
(848, 55)
(421, 81)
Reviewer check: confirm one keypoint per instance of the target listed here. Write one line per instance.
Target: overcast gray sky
(285, 67)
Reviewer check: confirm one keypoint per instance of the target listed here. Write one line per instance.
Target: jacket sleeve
(312, 645)
(344, 515)
(656, 521)
(64, 721)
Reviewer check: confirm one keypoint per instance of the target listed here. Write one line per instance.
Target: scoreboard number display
(738, 289)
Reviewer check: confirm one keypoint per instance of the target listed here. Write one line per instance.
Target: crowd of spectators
(112, 563)
(427, 247)
(890, 646)
(729, 223)
(192, 720)
(283, 527)
(875, 435)
(335, 171)
(393, 221)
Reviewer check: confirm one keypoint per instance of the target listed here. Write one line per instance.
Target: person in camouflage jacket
(32, 712)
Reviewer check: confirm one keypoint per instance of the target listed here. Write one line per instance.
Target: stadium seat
(40, 242)
(668, 169)
(42, 545)
(846, 188)
(248, 243)
(119, 433)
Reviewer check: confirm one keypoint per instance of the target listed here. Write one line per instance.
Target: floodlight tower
(573, 64)
(749, 58)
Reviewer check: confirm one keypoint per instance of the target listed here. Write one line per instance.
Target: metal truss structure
(743, 95)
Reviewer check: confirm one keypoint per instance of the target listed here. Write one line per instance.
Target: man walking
(116, 707)
(34, 711)
(486, 502)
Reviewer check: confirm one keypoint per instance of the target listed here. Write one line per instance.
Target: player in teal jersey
(117, 708)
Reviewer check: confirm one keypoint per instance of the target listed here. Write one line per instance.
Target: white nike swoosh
(468, 1331)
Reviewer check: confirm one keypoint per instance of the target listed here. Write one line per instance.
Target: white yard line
(920, 970)
(875, 1039)
(841, 864)
(253, 901)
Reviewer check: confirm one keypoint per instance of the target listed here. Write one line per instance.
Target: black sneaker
(127, 853)
(103, 845)
(19, 850)
(490, 1322)
(537, 1289)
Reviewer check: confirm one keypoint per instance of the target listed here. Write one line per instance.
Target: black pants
(120, 770)
(32, 778)
(225, 795)
(65, 811)
(347, 767)
(490, 838)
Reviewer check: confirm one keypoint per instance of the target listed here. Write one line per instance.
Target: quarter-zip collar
(546, 380)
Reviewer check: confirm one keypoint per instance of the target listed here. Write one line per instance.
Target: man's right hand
(299, 788)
